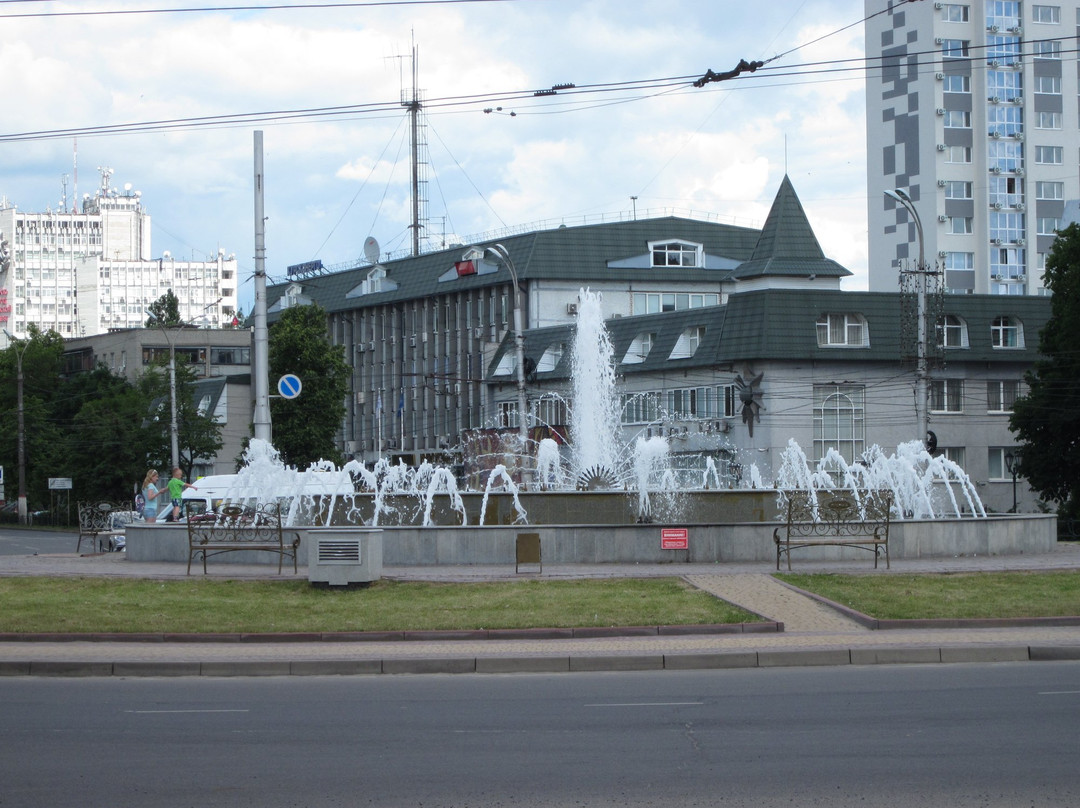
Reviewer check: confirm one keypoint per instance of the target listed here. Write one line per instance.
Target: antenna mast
(412, 103)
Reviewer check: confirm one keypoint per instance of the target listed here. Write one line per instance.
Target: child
(176, 491)
(150, 496)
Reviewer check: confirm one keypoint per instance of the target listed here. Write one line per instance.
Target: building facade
(84, 272)
(971, 110)
(703, 318)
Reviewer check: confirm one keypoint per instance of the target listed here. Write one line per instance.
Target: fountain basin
(640, 544)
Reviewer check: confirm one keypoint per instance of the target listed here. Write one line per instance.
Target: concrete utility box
(340, 557)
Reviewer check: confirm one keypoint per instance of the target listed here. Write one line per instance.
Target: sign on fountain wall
(674, 538)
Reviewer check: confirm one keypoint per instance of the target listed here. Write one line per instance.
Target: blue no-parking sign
(289, 385)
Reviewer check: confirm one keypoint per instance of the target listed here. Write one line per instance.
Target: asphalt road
(15, 541)
(957, 736)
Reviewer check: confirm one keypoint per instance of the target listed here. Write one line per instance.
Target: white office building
(972, 110)
(85, 272)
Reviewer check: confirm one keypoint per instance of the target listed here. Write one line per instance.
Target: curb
(551, 664)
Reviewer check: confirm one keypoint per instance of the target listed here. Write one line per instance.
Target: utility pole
(20, 425)
(261, 419)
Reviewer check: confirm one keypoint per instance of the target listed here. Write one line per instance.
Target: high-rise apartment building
(89, 271)
(972, 110)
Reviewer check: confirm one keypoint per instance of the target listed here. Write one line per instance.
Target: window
(1048, 85)
(959, 260)
(1006, 332)
(959, 225)
(640, 408)
(1006, 226)
(1004, 85)
(639, 349)
(958, 154)
(1001, 395)
(1049, 155)
(1050, 190)
(957, 119)
(551, 410)
(955, 189)
(1003, 47)
(675, 254)
(839, 420)
(688, 343)
(553, 354)
(1046, 49)
(1047, 120)
(997, 468)
(848, 330)
(947, 395)
(955, 12)
(1046, 14)
(1007, 263)
(1005, 191)
(1004, 121)
(1048, 226)
(691, 402)
(952, 332)
(1004, 155)
(954, 454)
(230, 356)
(656, 302)
(954, 48)
(957, 83)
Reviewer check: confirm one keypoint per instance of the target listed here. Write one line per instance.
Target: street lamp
(922, 367)
(174, 434)
(502, 256)
(21, 425)
(1010, 466)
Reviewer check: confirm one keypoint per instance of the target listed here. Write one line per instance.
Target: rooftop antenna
(75, 169)
(371, 250)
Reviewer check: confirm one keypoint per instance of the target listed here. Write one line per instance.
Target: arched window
(952, 332)
(839, 420)
(1006, 332)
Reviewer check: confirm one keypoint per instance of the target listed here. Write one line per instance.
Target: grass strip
(85, 605)
(950, 595)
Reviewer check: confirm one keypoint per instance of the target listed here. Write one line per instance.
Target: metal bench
(102, 524)
(845, 518)
(235, 528)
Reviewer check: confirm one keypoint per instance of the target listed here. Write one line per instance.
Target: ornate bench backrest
(838, 512)
(233, 524)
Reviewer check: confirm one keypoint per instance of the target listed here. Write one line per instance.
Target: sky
(633, 125)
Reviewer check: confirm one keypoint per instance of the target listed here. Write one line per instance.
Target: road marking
(1060, 692)
(652, 704)
(145, 712)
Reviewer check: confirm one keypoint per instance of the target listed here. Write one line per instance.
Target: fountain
(603, 499)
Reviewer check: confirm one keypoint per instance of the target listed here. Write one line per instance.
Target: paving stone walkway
(768, 598)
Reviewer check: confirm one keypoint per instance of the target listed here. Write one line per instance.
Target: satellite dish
(371, 249)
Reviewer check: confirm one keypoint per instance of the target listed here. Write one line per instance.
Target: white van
(209, 492)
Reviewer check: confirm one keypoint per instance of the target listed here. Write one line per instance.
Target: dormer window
(375, 282)
(639, 348)
(1007, 332)
(675, 254)
(551, 358)
(952, 332)
(688, 343)
(847, 330)
(507, 365)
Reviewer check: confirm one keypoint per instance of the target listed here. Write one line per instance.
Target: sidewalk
(795, 629)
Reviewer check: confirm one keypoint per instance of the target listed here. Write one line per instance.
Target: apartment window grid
(552, 411)
(1048, 120)
(959, 260)
(1006, 226)
(1004, 85)
(957, 119)
(1050, 155)
(1003, 14)
(1048, 15)
(1005, 191)
(959, 225)
(1048, 85)
(1003, 48)
(960, 155)
(1048, 226)
(1046, 49)
(839, 420)
(1051, 191)
(955, 48)
(957, 83)
(683, 403)
(947, 396)
(997, 468)
(1007, 263)
(957, 189)
(1001, 395)
(955, 12)
(1005, 155)
(1004, 121)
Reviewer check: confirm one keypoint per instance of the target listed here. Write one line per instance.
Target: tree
(164, 312)
(198, 433)
(1047, 420)
(304, 428)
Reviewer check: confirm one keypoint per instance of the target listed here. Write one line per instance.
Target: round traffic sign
(289, 385)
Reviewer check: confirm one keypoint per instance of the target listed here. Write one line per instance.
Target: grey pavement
(794, 629)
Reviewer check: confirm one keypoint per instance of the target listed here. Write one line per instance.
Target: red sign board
(674, 538)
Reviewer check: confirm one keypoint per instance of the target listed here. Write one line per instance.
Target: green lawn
(84, 605)
(955, 595)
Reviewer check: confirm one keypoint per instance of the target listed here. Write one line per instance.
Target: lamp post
(174, 433)
(922, 383)
(1010, 466)
(21, 425)
(502, 256)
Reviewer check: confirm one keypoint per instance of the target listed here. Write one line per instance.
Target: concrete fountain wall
(601, 528)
